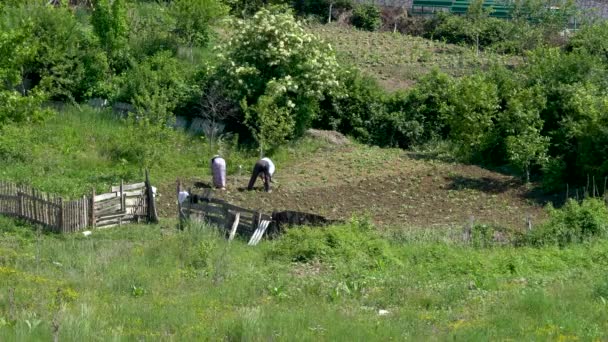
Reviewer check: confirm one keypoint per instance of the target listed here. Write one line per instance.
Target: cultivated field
(398, 60)
(392, 186)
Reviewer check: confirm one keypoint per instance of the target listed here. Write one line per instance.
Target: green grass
(153, 282)
(78, 149)
(82, 148)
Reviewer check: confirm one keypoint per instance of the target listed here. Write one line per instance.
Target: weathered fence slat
(100, 198)
(128, 204)
(128, 187)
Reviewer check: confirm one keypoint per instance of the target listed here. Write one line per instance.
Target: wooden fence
(246, 222)
(123, 204)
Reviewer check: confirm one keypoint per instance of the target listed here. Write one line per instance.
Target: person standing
(218, 171)
(263, 168)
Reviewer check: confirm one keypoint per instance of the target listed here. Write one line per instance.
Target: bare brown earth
(394, 187)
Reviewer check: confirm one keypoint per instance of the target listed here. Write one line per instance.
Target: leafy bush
(367, 17)
(355, 242)
(246, 8)
(58, 54)
(470, 113)
(156, 86)
(320, 8)
(352, 114)
(278, 72)
(193, 19)
(109, 21)
(149, 32)
(592, 39)
(573, 223)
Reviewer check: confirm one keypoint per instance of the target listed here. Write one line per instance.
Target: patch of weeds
(355, 242)
(574, 223)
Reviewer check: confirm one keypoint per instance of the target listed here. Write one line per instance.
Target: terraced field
(397, 60)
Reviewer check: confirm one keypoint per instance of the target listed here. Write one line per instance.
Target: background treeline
(252, 69)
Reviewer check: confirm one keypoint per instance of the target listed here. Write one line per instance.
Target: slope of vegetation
(398, 60)
(538, 112)
(150, 282)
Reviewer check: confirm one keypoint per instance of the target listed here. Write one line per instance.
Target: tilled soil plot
(392, 187)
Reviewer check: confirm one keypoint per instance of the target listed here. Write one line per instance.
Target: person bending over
(218, 170)
(264, 168)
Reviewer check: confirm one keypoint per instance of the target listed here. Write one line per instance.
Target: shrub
(352, 113)
(275, 68)
(573, 223)
(156, 86)
(109, 21)
(355, 242)
(193, 19)
(320, 8)
(592, 39)
(149, 32)
(367, 17)
(58, 54)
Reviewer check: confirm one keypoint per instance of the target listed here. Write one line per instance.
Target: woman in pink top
(218, 170)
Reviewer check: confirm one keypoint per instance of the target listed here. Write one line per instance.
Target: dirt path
(393, 187)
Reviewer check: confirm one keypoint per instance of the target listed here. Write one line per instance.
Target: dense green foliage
(366, 17)
(544, 116)
(278, 73)
(574, 223)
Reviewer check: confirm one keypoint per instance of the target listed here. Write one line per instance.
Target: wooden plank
(214, 210)
(259, 232)
(115, 216)
(105, 204)
(235, 225)
(92, 209)
(114, 221)
(129, 187)
(134, 202)
(136, 193)
(107, 196)
(109, 210)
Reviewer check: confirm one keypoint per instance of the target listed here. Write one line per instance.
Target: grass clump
(574, 223)
(355, 243)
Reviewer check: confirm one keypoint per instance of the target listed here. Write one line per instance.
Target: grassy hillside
(153, 283)
(398, 60)
(82, 148)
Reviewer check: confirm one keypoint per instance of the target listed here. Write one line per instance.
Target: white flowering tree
(279, 73)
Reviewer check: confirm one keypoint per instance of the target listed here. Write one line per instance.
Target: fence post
(152, 215)
(468, 230)
(35, 203)
(122, 208)
(93, 209)
(19, 202)
(60, 224)
(180, 216)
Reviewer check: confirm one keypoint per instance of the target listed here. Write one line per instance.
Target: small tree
(527, 148)
(215, 108)
(270, 119)
(279, 73)
(367, 17)
(109, 20)
(17, 106)
(470, 112)
(193, 19)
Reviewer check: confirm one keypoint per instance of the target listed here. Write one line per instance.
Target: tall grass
(151, 282)
(82, 148)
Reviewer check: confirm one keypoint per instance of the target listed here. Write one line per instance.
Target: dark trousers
(261, 167)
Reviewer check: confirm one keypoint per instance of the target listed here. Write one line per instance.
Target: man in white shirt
(264, 168)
